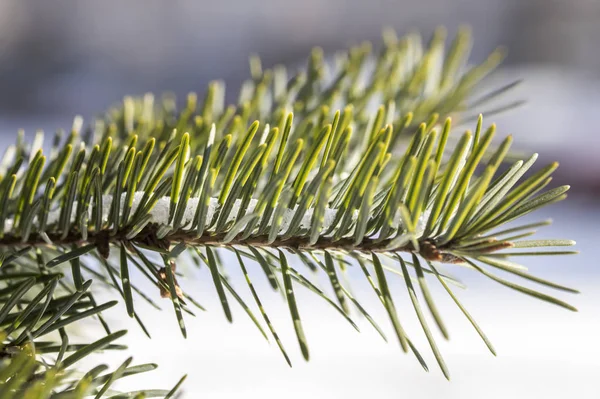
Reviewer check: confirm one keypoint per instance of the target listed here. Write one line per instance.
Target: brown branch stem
(147, 237)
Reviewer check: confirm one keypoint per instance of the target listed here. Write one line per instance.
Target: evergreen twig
(307, 168)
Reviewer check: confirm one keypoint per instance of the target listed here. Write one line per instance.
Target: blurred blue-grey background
(61, 58)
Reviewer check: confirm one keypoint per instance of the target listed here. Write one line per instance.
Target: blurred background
(61, 58)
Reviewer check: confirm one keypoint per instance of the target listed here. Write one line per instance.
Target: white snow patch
(160, 213)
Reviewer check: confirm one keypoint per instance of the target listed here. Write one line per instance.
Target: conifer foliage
(349, 163)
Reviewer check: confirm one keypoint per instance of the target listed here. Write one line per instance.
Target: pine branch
(280, 176)
(43, 312)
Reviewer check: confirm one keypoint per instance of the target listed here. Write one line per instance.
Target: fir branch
(305, 166)
(42, 308)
